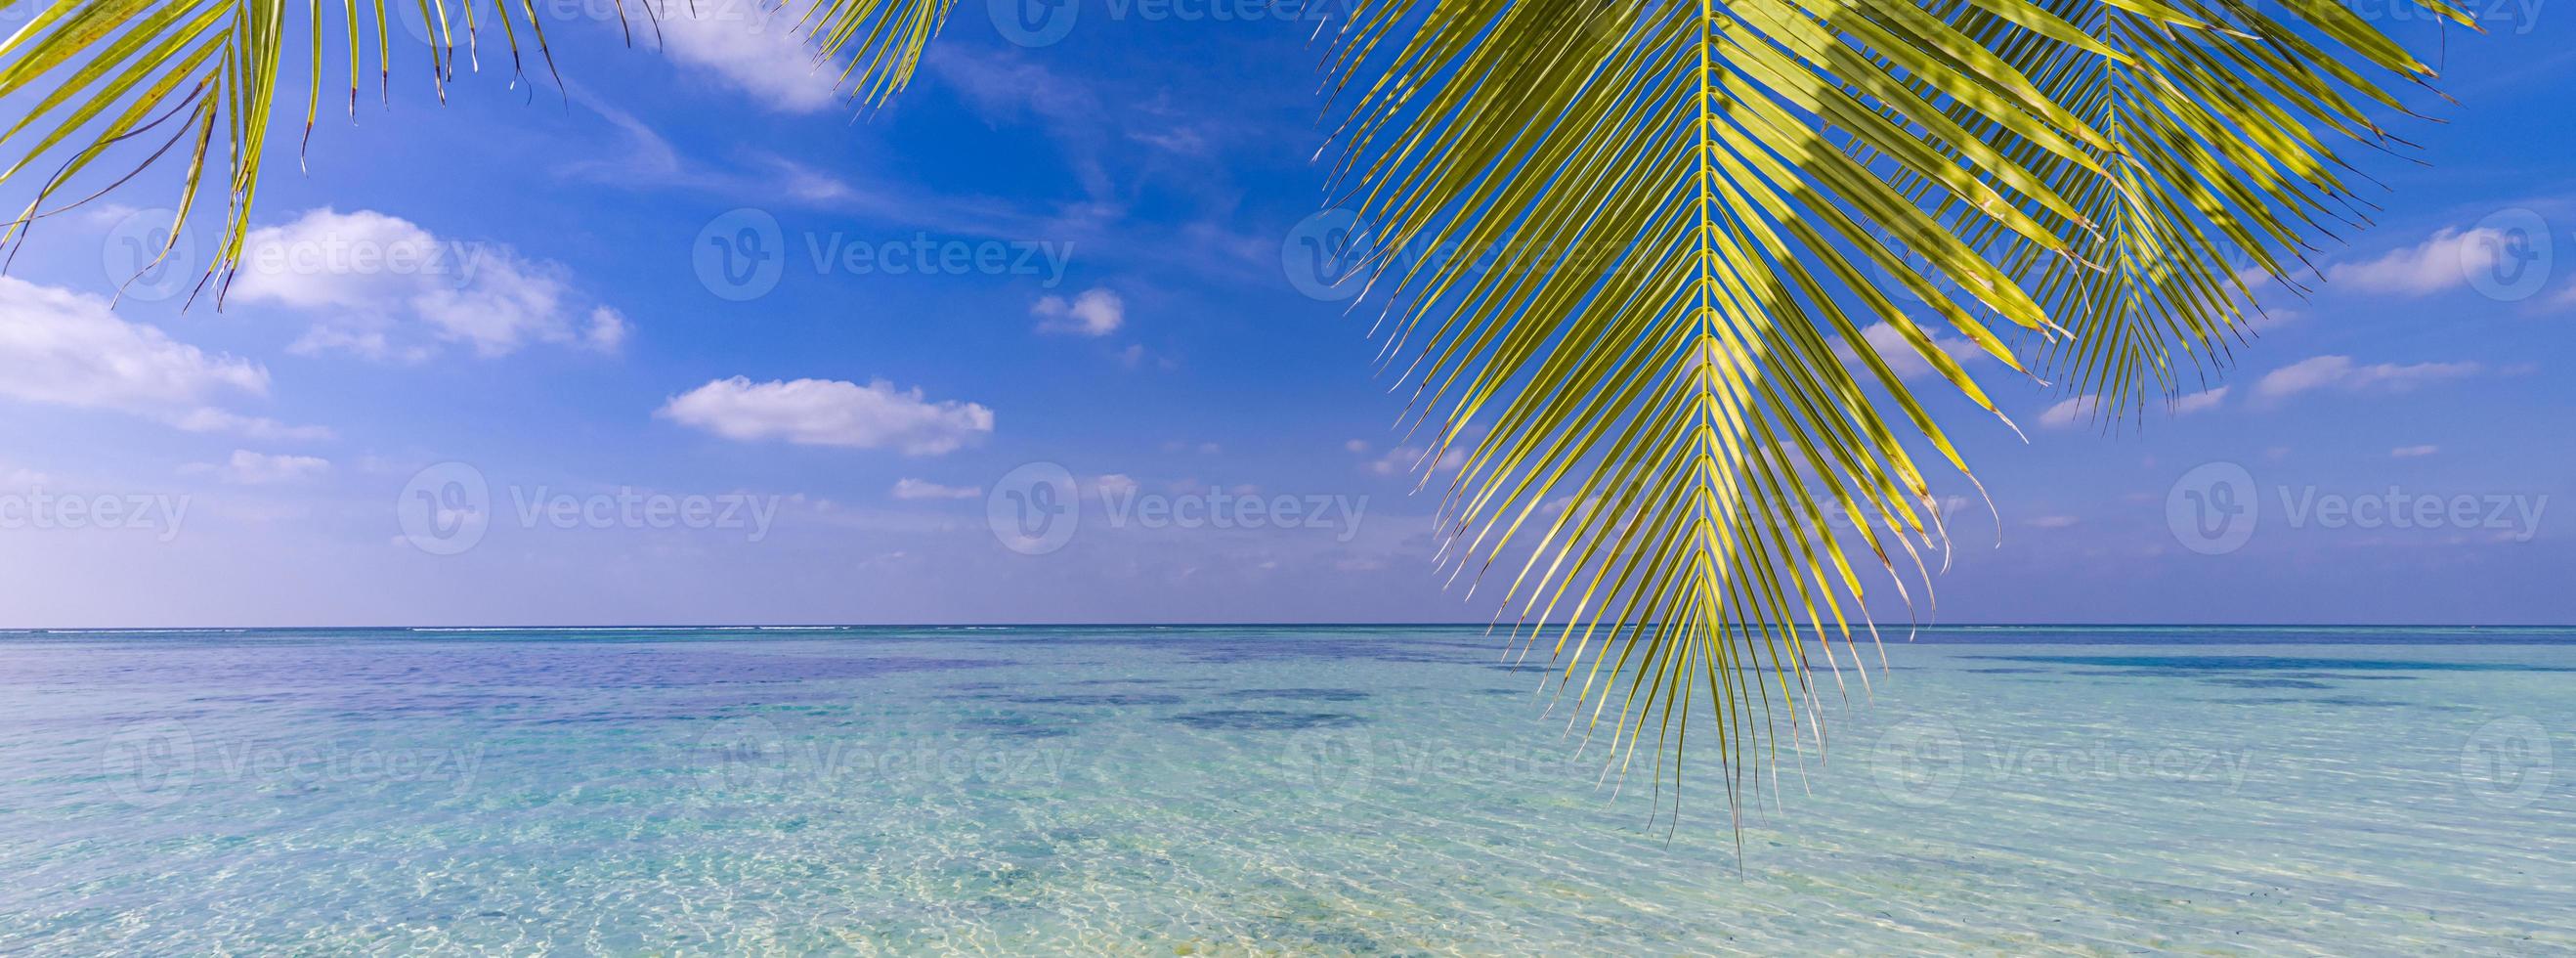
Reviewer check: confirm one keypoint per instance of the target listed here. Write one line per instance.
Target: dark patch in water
(1304, 695)
(1265, 720)
(2007, 671)
(2192, 664)
(2353, 701)
(2269, 683)
(1115, 699)
(1016, 725)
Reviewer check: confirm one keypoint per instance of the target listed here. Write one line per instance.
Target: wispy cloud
(2200, 401)
(382, 287)
(926, 489)
(2070, 413)
(2340, 372)
(2413, 452)
(1903, 358)
(2445, 261)
(261, 469)
(825, 412)
(754, 48)
(63, 348)
(1095, 312)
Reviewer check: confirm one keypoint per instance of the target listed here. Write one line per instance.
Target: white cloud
(2200, 402)
(62, 348)
(826, 412)
(1096, 312)
(2445, 261)
(382, 287)
(12, 477)
(1407, 460)
(2341, 372)
(259, 469)
(2413, 452)
(608, 330)
(2052, 522)
(753, 49)
(212, 420)
(925, 489)
(1901, 356)
(2070, 413)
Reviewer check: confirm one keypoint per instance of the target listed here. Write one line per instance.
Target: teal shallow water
(1259, 790)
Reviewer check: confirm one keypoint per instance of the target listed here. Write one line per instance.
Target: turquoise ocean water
(1255, 790)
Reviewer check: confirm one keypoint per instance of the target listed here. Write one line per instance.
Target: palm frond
(149, 79)
(2228, 119)
(1682, 248)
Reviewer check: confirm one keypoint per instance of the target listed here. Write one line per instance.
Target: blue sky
(842, 442)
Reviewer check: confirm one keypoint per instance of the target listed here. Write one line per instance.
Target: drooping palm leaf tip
(150, 80)
(2229, 120)
(1633, 254)
(1626, 252)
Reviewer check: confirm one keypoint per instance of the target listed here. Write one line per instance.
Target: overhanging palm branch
(150, 79)
(1674, 387)
(2226, 119)
(1694, 204)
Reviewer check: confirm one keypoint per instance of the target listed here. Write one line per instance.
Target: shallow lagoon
(1338, 790)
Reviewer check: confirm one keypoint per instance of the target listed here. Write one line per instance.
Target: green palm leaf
(1742, 187)
(1677, 378)
(2228, 118)
(150, 79)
